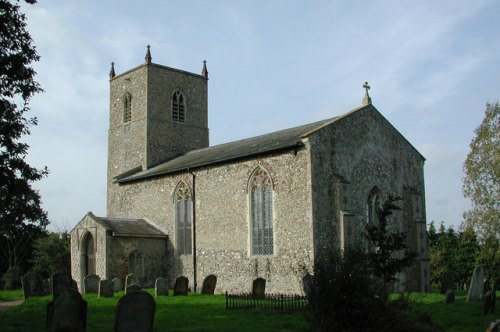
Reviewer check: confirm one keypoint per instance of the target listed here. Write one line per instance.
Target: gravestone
(485, 288)
(476, 284)
(60, 282)
(131, 279)
(450, 297)
(447, 282)
(106, 288)
(135, 312)
(161, 287)
(181, 286)
(209, 285)
(117, 284)
(489, 302)
(259, 288)
(32, 283)
(67, 312)
(494, 326)
(132, 289)
(91, 284)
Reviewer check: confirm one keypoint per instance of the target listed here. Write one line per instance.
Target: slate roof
(273, 142)
(130, 227)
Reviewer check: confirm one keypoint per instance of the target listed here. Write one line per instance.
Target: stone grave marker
(181, 286)
(60, 282)
(132, 289)
(131, 279)
(117, 284)
(486, 288)
(476, 284)
(67, 312)
(209, 284)
(259, 288)
(450, 297)
(135, 312)
(489, 302)
(32, 283)
(91, 284)
(161, 287)
(447, 282)
(494, 326)
(106, 288)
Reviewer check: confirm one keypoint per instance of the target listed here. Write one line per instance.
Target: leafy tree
(389, 254)
(482, 175)
(489, 257)
(52, 254)
(21, 217)
(465, 255)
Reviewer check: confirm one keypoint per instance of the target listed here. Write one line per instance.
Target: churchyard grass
(179, 313)
(207, 313)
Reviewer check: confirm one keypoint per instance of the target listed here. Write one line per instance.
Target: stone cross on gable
(366, 100)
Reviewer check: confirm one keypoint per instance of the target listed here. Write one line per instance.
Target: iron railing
(269, 302)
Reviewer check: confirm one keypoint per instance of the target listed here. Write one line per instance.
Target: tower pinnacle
(112, 71)
(204, 71)
(148, 57)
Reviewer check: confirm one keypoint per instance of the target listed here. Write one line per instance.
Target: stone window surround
(179, 109)
(127, 107)
(182, 192)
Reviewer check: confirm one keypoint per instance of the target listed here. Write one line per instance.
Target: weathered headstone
(259, 288)
(32, 283)
(117, 284)
(494, 326)
(106, 288)
(135, 312)
(486, 287)
(488, 303)
(450, 297)
(181, 286)
(476, 284)
(67, 312)
(161, 287)
(447, 282)
(131, 279)
(209, 285)
(91, 284)
(132, 289)
(60, 282)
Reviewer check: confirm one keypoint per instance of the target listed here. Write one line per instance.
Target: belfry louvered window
(261, 201)
(184, 218)
(127, 107)
(178, 107)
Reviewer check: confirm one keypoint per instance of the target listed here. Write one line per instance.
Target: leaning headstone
(91, 284)
(476, 284)
(32, 283)
(488, 303)
(106, 288)
(161, 287)
(67, 312)
(131, 279)
(209, 285)
(181, 286)
(60, 282)
(135, 312)
(450, 297)
(117, 284)
(259, 288)
(132, 289)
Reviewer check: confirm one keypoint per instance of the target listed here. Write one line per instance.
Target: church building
(264, 207)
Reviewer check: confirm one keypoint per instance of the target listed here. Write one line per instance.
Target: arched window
(127, 107)
(184, 218)
(88, 250)
(136, 263)
(178, 107)
(374, 203)
(261, 207)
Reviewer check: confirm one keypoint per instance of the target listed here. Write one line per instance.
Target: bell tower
(156, 114)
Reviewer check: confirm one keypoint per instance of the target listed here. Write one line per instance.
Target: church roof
(273, 142)
(130, 227)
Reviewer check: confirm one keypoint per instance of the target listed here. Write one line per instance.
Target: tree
(21, 217)
(482, 175)
(52, 254)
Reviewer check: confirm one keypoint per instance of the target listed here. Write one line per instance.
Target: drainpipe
(194, 229)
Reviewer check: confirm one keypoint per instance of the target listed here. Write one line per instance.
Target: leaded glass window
(184, 218)
(261, 213)
(178, 107)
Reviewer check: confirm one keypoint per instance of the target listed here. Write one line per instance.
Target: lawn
(207, 313)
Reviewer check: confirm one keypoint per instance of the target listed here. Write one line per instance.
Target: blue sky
(432, 66)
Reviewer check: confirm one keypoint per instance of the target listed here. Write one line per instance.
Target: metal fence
(269, 302)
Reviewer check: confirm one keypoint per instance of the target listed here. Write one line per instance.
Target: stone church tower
(156, 114)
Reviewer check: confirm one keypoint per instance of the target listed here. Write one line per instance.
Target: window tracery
(184, 218)
(261, 202)
(178, 107)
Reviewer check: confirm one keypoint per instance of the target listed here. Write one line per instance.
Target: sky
(432, 66)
